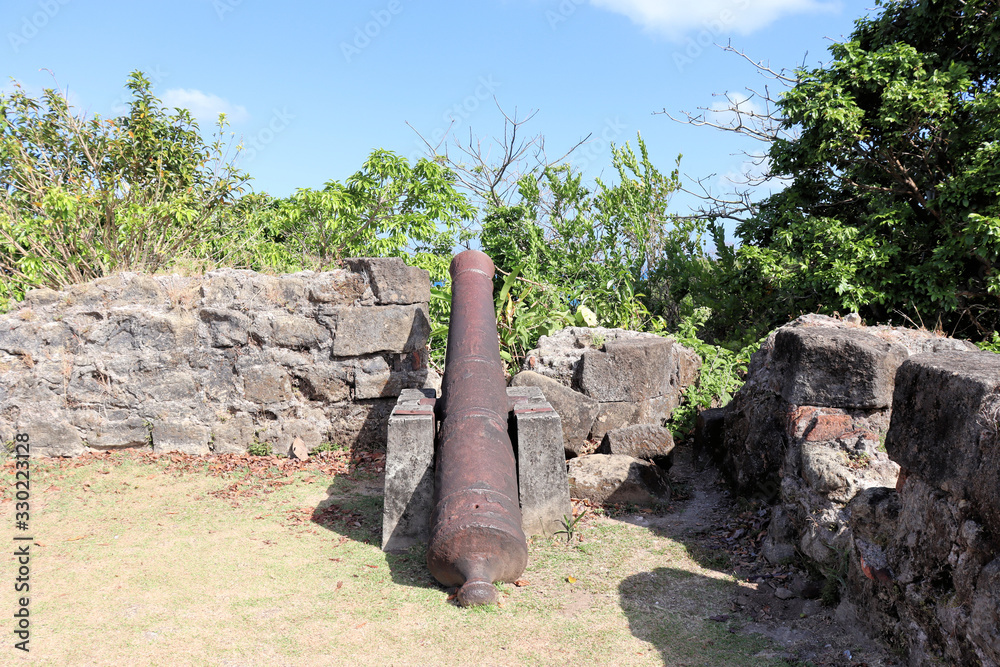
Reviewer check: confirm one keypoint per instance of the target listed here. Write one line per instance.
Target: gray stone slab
(543, 486)
(409, 471)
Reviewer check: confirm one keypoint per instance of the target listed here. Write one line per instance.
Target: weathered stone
(558, 356)
(627, 370)
(266, 384)
(232, 434)
(392, 281)
(543, 487)
(604, 478)
(841, 368)
(184, 436)
(360, 331)
(141, 289)
(114, 429)
(41, 297)
(778, 546)
(946, 426)
(339, 288)
(612, 415)
(227, 327)
(48, 435)
(325, 382)
(123, 351)
(409, 472)
(576, 411)
(640, 441)
(298, 333)
(169, 386)
(923, 574)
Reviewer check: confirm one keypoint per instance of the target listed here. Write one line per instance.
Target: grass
(168, 561)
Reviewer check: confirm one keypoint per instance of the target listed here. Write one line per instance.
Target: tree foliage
(893, 202)
(81, 198)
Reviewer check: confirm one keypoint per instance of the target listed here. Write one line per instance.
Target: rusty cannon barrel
(476, 536)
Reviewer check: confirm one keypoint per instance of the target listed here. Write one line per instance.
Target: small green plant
(327, 447)
(836, 578)
(259, 449)
(859, 460)
(569, 525)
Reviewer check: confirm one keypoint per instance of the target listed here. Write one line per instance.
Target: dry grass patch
(175, 561)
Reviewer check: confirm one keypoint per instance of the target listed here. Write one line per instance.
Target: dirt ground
(782, 603)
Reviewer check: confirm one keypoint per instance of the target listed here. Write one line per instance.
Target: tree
(82, 198)
(891, 153)
(388, 208)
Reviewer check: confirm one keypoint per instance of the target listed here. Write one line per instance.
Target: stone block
(163, 331)
(838, 368)
(392, 281)
(576, 411)
(609, 478)
(48, 434)
(266, 384)
(409, 471)
(327, 382)
(339, 288)
(648, 442)
(945, 425)
(226, 327)
(543, 486)
(361, 331)
(627, 370)
(185, 437)
(233, 435)
(298, 333)
(612, 415)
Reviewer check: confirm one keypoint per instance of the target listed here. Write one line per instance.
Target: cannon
(476, 535)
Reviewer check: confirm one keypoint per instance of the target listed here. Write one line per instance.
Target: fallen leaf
(374, 567)
(74, 539)
(339, 584)
(521, 582)
(39, 544)
(571, 580)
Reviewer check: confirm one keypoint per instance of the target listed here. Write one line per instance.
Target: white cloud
(676, 19)
(204, 107)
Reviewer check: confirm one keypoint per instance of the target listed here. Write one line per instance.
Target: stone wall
(881, 445)
(807, 428)
(216, 362)
(926, 566)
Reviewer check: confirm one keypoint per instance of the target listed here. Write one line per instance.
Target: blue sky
(312, 87)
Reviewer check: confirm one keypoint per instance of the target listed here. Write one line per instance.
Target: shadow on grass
(353, 510)
(664, 607)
